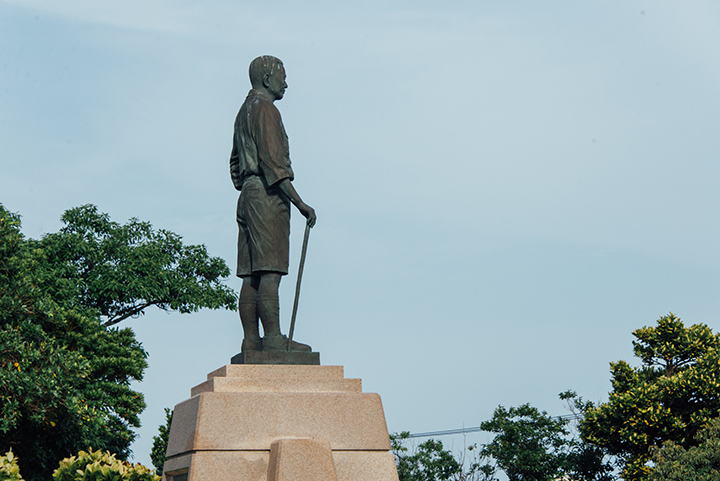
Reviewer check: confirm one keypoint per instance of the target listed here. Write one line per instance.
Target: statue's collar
(259, 93)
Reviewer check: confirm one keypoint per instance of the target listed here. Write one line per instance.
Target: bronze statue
(260, 170)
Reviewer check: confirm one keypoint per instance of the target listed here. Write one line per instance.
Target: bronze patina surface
(261, 170)
(277, 357)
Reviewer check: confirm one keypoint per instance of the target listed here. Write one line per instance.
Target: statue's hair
(265, 64)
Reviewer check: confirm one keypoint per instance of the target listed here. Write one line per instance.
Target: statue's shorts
(263, 217)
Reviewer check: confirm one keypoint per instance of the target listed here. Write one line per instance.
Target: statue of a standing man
(260, 170)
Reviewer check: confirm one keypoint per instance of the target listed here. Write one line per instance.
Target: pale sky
(505, 190)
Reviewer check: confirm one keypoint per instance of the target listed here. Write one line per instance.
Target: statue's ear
(266, 80)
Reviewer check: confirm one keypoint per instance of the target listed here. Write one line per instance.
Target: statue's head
(268, 73)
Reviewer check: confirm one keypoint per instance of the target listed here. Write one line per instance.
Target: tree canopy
(120, 270)
(64, 378)
(672, 396)
(661, 422)
(698, 463)
(64, 375)
(527, 442)
(430, 461)
(530, 445)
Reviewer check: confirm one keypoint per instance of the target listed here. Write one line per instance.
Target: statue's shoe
(280, 343)
(251, 345)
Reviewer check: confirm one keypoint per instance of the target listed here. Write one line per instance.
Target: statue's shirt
(260, 159)
(260, 144)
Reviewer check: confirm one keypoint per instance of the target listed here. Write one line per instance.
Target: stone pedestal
(279, 423)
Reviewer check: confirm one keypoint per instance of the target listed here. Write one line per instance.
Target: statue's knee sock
(247, 306)
(269, 310)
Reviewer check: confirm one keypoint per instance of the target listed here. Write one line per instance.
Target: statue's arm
(287, 188)
(235, 165)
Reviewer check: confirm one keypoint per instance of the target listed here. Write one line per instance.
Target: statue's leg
(269, 309)
(268, 303)
(248, 308)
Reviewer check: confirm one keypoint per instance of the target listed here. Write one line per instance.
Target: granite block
(256, 420)
(301, 460)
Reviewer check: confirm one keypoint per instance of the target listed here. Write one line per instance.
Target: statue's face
(276, 83)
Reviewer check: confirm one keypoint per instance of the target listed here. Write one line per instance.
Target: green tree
(160, 443)
(697, 463)
(430, 462)
(530, 445)
(64, 378)
(64, 375)
(672, 396)
(585, 461)
(120, 270)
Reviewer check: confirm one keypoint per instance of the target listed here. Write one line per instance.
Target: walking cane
(297, 286)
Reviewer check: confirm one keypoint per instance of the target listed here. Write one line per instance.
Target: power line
(445, 433)
(471, 430)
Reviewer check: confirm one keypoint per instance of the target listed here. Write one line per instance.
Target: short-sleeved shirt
(260, 144)
(260, 160)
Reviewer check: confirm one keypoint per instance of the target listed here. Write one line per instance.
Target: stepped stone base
(252, 422)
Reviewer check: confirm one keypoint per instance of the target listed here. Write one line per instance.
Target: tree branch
(114, 320)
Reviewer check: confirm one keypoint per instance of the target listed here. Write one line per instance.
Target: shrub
(101, 466)
(9, 469)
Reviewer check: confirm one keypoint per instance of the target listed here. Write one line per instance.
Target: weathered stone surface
(220, 384)
(365, 466)
(301, 460)
(225, 431)
(264, 372)
(219, 466)
(254, 466)
(209, 421)
(276, 378)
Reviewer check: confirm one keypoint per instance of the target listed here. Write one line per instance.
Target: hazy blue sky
(505, 190)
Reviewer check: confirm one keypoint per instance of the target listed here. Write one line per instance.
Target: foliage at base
(86, 466)
(160, 443)
(9, 469)
(101, 466)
